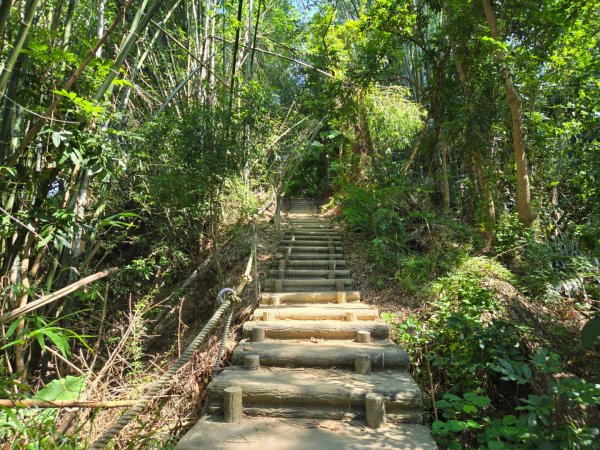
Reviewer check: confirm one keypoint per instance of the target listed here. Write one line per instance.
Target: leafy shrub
(476, 356)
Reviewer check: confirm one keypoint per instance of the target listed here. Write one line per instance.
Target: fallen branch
(29, 403)
(18, 312)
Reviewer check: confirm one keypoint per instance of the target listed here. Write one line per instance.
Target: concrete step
(312, 235)
(317, 329)
(317, 393)
(307, 243)
(267, 298)
(309, 249)
(303, 434)
(321, 256)
(307, 284)
(304, 273)
(331, 311)
(311, 227)
(322, 354)
(310, 263)
(307, 231)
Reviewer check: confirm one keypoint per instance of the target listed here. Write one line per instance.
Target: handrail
(166, 377)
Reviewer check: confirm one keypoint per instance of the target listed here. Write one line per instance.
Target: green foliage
(35, 429)
(393, 119)
(42, 331)
(469, 346)
(590, 332)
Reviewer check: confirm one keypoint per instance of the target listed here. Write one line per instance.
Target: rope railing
(231, 298)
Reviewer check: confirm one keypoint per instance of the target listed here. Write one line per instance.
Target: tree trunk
(100, 28)
(445, 185)
(11, 59)
(514, 101)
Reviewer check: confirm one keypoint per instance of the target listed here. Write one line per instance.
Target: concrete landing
(303, 434)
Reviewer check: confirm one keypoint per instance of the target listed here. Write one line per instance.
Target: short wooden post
(362, 364)
(351, 316)
(251, 362)
(258, 334)
(268, 316)
(341, 297)
(232, 404)
(375, 406)
(363, 337)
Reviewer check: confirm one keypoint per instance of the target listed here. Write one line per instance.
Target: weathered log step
(322, 329)
(317, 393)
(325, 354)
(310, 248)
(316, 282)
(311, 262)
(307, 284)
(309, 256)
(332, 311)
(267, 298)
(313, 236)
(311, 227)
(259, 433)
(307, 243)
(303, 273)
(320, 231)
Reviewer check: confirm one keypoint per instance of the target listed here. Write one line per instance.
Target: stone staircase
(316, 368)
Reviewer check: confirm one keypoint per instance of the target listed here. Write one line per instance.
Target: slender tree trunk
(484, 186)
(488, 197)
(137, 27)
(20, 362)
(100, 28)
(4, 18)
(445, 187)
(69, 24)
(7, 68)
(524, 209)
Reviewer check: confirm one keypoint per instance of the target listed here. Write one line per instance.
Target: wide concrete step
(317, 393)
(267, 298)
(308, 273)
(322, 354)
(332, 311)
(260, 433)
(317, 329)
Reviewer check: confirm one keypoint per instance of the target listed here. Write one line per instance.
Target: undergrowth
(495, 342)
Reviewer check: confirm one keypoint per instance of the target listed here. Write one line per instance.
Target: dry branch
(18, 312)
(30, 403)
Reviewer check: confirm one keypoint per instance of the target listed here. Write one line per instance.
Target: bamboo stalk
(32, 306)
(37, 126)
(30, 403)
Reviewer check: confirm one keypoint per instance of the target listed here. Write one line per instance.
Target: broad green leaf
(56, 139)
(68, 388)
